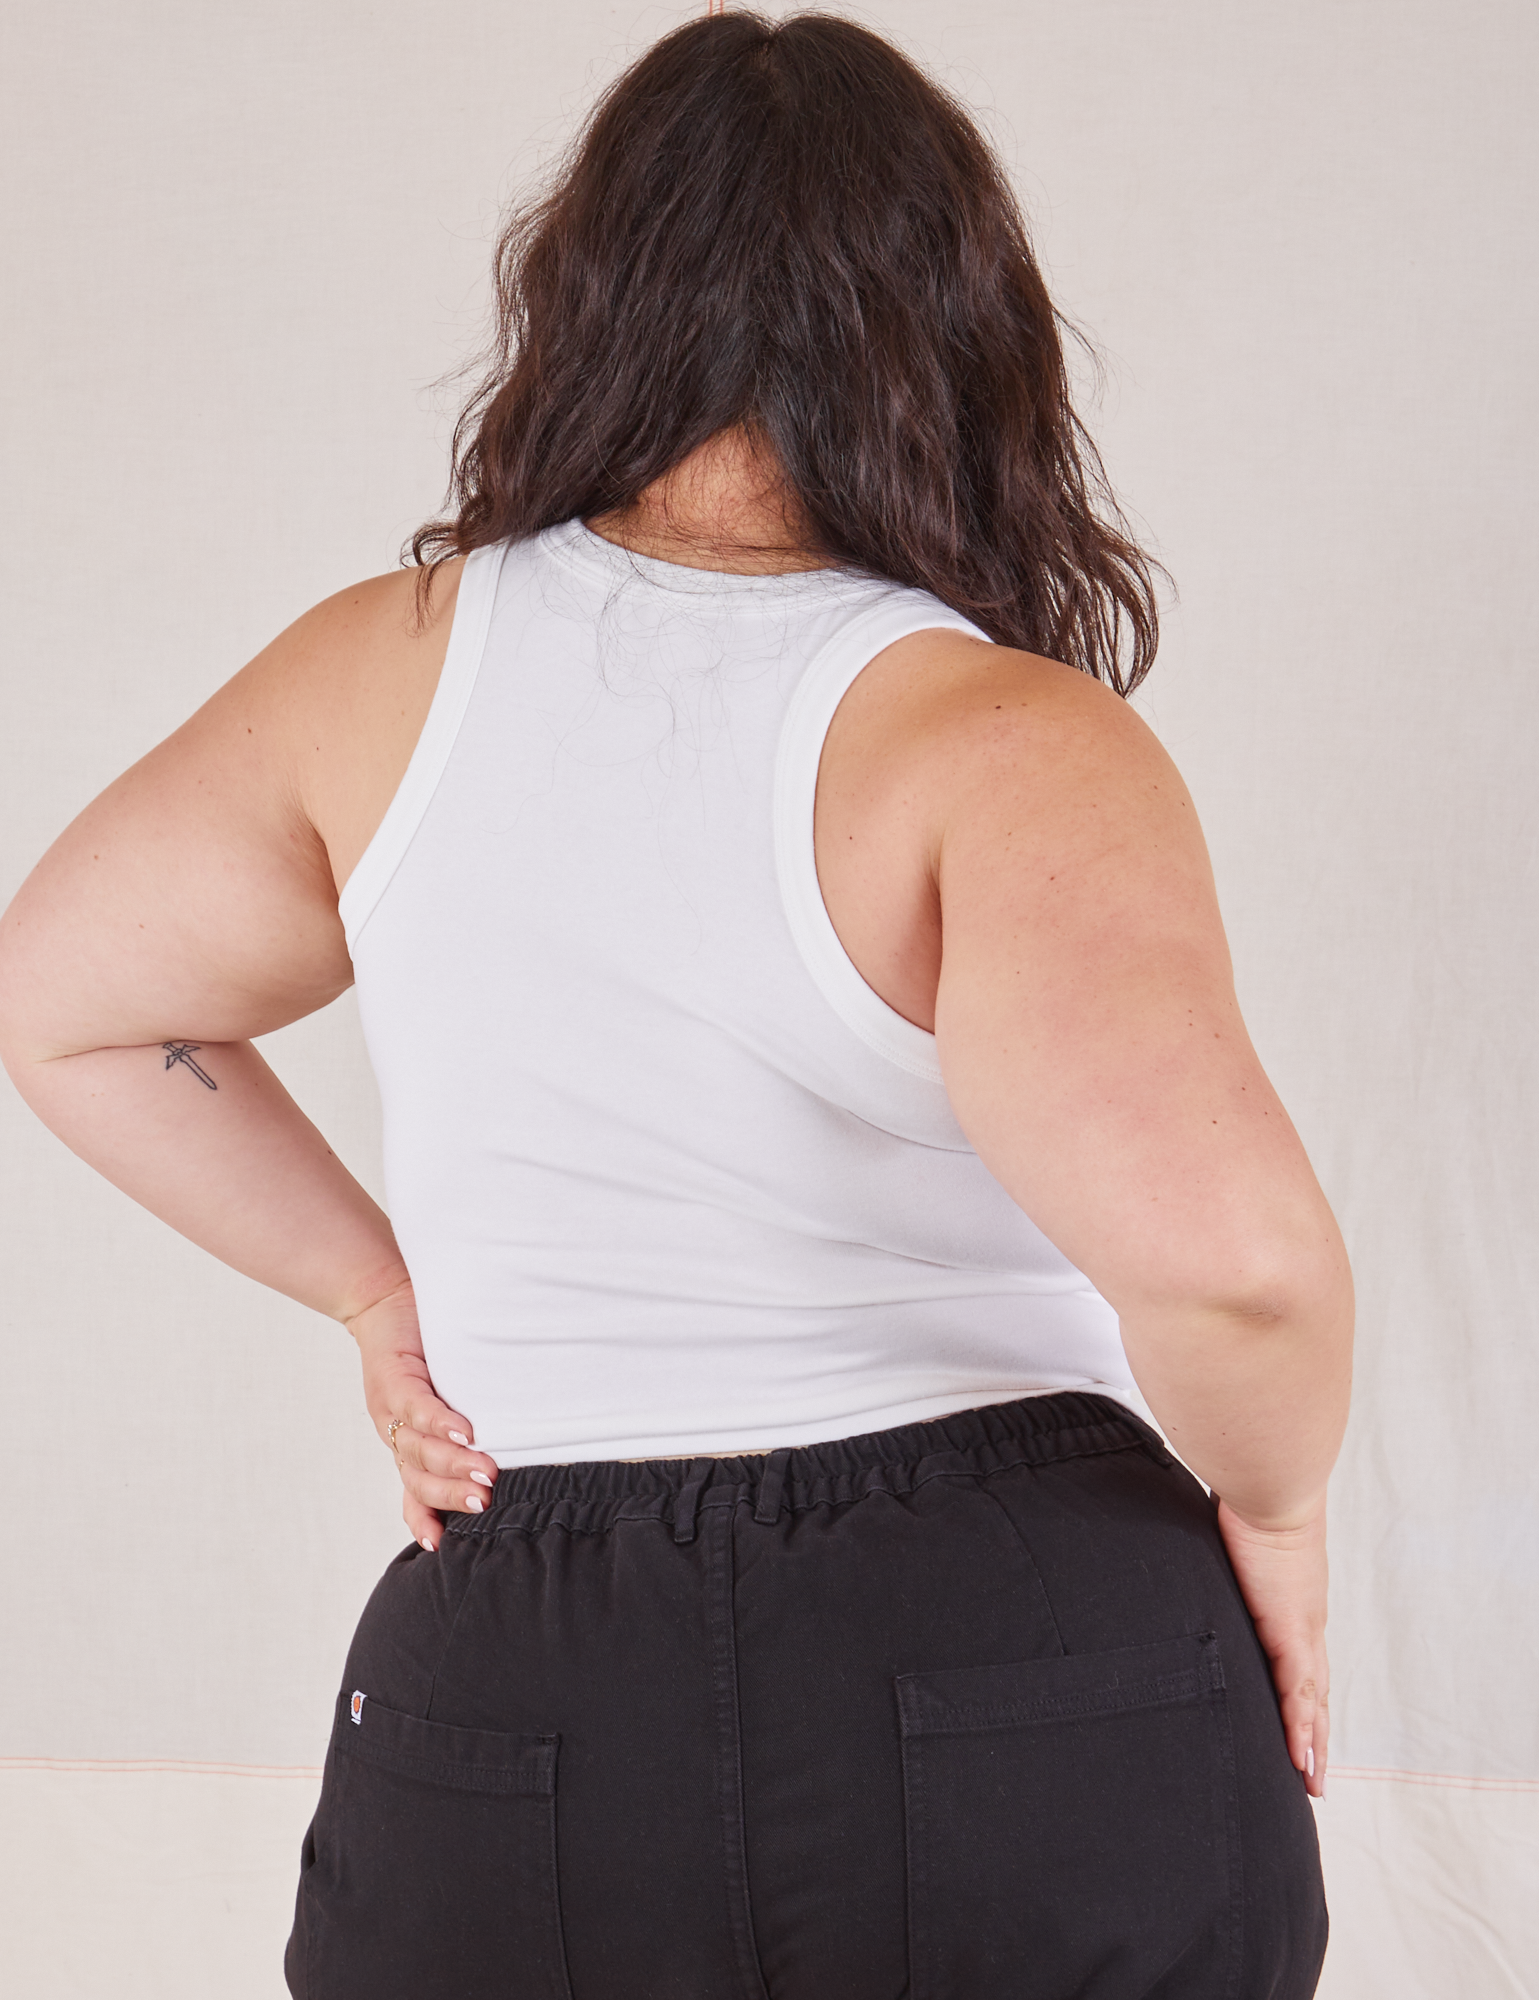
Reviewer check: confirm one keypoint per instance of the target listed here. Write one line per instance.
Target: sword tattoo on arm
(183, 1052)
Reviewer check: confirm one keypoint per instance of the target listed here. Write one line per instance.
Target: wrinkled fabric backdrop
(240, 245)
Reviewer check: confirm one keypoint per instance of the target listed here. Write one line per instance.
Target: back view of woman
(819, 1127)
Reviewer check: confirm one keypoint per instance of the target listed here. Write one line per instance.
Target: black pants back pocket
(430, 1868)
(1072, 1828)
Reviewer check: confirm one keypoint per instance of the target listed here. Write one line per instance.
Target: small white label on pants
(357, 1709)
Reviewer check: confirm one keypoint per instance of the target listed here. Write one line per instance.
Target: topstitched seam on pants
(915, 1885)
(721, 1628)
(443, 1652)
(1036, 1568)
(1233, 1841)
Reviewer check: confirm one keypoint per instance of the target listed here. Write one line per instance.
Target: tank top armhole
(446, 712)
(822, 687)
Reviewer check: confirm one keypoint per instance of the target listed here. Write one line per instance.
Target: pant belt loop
(689, 1499)
(772, 1485)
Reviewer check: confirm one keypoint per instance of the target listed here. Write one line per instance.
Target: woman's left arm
(191, 907)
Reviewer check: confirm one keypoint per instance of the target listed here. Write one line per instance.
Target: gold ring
(395, 1425)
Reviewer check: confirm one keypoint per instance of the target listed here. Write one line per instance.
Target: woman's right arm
(1093, 1049)
(190, 908)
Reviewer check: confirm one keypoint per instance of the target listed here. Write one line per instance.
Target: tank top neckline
(575, 544)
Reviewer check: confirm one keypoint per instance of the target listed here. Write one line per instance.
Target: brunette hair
(784, 226)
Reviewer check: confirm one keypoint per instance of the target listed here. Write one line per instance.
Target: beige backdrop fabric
(240, 242)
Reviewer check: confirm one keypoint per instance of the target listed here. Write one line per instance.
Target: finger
(424, 1524)
(427, 1416)
(452, 1496)
(430, 1451)
(1302, 1710)
(433, 1417)
(431, 1455)
(399, 1393)
(405, 1403)
(449, 1461)
(1321, 1746)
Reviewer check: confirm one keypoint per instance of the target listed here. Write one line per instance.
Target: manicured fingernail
(480, 1478)
(427, 1544)
(1309, 1761)
(458, 1437)
(474, 1503)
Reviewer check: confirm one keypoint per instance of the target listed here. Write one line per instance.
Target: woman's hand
(1282, 1576)
(432, 1442)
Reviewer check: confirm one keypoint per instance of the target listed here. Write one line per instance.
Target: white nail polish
(427, 1544)
(1309, 1760)
(474, 1504)
(480, 1478)
(458, 1437)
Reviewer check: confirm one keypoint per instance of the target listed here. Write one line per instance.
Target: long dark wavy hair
(785, 226)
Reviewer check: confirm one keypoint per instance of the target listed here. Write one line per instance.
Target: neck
(725, 507)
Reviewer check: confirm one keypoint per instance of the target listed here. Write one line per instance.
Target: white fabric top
(668, 1175)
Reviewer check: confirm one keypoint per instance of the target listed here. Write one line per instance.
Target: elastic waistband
(592, 1496)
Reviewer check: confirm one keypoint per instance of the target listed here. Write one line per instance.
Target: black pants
(968, 1710)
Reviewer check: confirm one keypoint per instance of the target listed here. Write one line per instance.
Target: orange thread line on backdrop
(129, 1765)
(1458, 1781)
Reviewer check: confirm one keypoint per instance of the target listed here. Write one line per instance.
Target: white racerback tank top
(669, 1177)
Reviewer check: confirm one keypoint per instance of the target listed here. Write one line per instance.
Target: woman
(818, 1123)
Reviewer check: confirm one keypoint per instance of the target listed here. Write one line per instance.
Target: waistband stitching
(738, 1491)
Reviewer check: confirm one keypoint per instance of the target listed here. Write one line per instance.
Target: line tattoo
(183, 1052)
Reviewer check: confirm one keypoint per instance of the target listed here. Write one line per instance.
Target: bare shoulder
(1062, 841)
(977, 730)
(370, 637)
(1009, 701)
(967, 791)
(341, 696)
